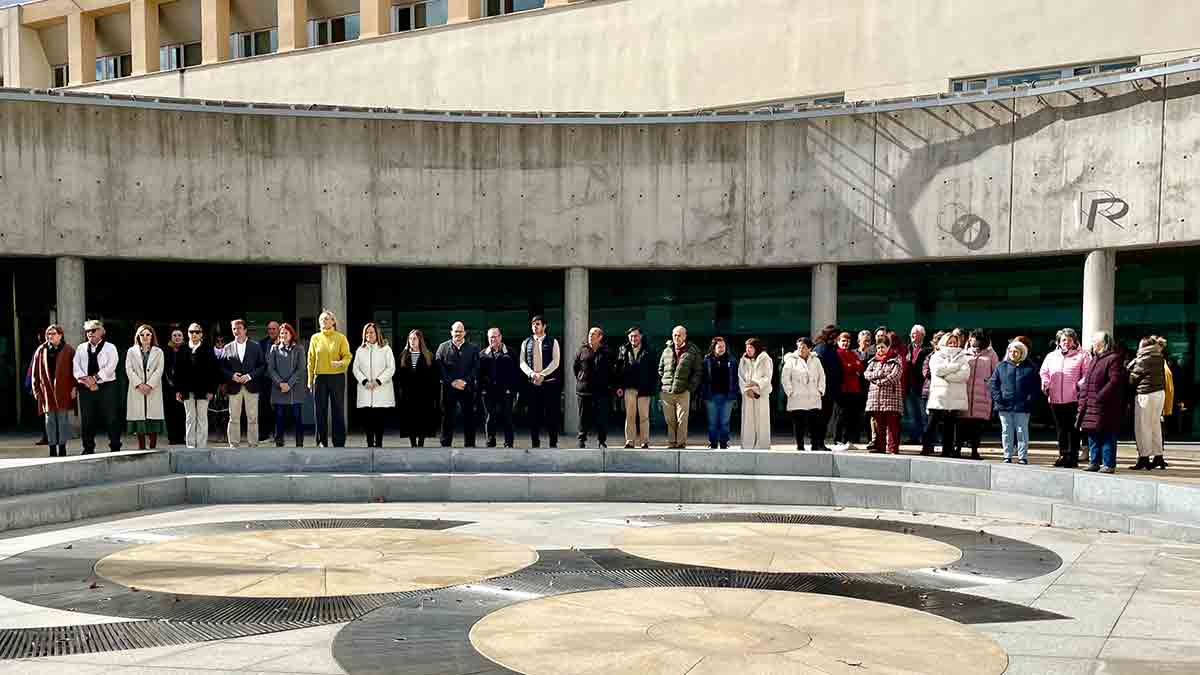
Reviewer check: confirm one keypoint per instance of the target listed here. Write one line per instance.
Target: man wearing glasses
(95, 367)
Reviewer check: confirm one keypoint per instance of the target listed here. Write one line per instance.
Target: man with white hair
(914, 380)
(95, 369)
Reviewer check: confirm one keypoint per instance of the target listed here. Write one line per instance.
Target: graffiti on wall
(1098, 206)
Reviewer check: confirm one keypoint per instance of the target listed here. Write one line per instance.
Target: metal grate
(26, 643)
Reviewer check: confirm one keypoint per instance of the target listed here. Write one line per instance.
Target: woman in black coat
(417, 378)
(197, 376)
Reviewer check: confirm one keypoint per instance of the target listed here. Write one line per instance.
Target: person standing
(866, 354)
(914, 382)
(719, 389)
(144, 365)
(885, 399)
(826, 350)
(95, 370)
(328, 360)
(1015, 387)
(1148, 377)
(638, 380)
(1061, 371)
(540, 361)
(497, 383)
(982, 360)
(679, 372)
(266, 410)
(286, 367)
(949, 371)
(173, 408)
(852, 399)
(593, 369)
(197, 375)
(374, 366)
(803, 380)
(458, 368)
(54, 388)
(755, 371)
(418, 390)
(1101, 399)
(242, 365)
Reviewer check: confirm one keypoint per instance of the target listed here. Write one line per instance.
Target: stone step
(68, 505)
(44, 475)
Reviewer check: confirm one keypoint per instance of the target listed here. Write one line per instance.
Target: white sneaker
(849, 446)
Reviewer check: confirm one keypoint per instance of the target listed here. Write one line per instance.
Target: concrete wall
(1030, 175)
(689, 54)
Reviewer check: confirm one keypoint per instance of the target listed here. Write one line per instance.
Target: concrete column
(143, 35)
(69, 285)
(374, 17)
(462, 10)
(333, 294)
(1099, 293)
(214, 31)
(293, 24)
(575, 330)
(824, 297)
(81, 48)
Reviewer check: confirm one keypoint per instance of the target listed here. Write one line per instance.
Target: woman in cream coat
(949, 371)
(803, 381)
(754, 379)
(144, 364)
(374, 366)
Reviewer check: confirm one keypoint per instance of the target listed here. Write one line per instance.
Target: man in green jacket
(679, 370)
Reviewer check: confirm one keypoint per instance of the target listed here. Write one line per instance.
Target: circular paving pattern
(781, 547)
(313, 562)
(706, 631)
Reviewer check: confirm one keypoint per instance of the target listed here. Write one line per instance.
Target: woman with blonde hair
(328, 360)
(418, 389)
(374, 367)
(144, 364)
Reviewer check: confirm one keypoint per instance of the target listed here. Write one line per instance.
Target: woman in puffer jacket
(948, 373)
(982, 360)
(803, 381)
(1148, 375)
(1015, 387)
(1061, 373)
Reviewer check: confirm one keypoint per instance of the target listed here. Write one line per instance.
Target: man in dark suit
(242, 365)
(266, 413)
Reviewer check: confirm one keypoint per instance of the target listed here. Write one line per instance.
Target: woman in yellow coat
(328, 360)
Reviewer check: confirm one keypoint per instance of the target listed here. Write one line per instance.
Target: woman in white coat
(755, 370)
(949, 371)
(144, 364)
(803, 381)
(374, 366)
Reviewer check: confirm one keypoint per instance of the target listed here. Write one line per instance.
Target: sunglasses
(195, 332)
(91, 330)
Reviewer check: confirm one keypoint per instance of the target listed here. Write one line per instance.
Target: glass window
(418, 15)
(1023, 78)
(253, 43)
(193, 55)
(112, 67)
(262, 42)
(498, 7)
(333, 30)
(171, 57)
(59, 76)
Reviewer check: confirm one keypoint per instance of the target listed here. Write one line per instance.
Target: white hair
(1103, 337)
(919, 328)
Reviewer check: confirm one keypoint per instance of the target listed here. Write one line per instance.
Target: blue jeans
(719, 408)
(1103, 446)
(1014, 429)
(915, 415)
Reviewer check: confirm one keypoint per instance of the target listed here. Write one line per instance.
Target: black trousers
(948, 420)
(373, 423)
(1069, 438)
(175, 418)
(329, 393)
(544, 407)
(848, 414)
(821, 422)
(593, 414)
(498, 410)
(970, 431)
(453, 398)
(805, 421)
(266, 411)
(98, 414)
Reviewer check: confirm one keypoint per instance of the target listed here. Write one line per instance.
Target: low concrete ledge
(82, 470)
(64, 506)
(272, 460)
(952, 472)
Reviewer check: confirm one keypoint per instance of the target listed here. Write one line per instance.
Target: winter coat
(982, 363)
(886, 378)
(756, 375)
(948, 374)
(374, 363)
(914, 368)
(756, 412)
(1102, 394)
(1148, 371)
(832, 365)
(678, 376)
(1061, 373)
(419, 395)
(852, 367)
(57, 395)
(638, 372)
(710, 367)
(1015, 387)
(593, 370)
(138, 406)
(287, 365)
(803, 381)
(498, 371)
(196, 373)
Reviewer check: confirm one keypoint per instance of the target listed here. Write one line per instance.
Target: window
(332, 30)
(970, 85)
(498, 7)
(172, 57)
(1105, 67)
(112, 67)
(58, 76)
(253, 43)
(418, 15)
(1035, 76)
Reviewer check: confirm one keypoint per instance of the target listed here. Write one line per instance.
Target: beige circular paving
(711, 631)
(313, 563)
(776, 547)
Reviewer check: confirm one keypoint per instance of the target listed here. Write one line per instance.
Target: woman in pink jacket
(1061, 372)
(983, 361)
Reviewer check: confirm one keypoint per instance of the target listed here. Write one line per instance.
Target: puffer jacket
(1101, 396)
(1148, 371)
(676, 377)
(803, 381)
(1015, 387)
(948, 374)
(983, 363)
(1061, 374)
(886, 378)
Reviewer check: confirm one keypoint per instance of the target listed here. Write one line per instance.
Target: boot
(153, 441)
(54, 451)
(1142, 463)
(1092, 467)
(141, 441)
(1159, 463)
(279, 441)
(62, 450)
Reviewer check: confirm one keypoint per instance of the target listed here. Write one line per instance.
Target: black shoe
(628, 445)
(975, 455)
(1142, 463)
(54, 451)
(603, 445)
(712, 446)
(535, 443)
(1060, 462)
(1008, 460)
(926, 452)
(723, 446)
(279, 442)
(645, 446)
(1159, 463)
(491, 443)
(1092, 467)
(508, 445)
(554, 444)
(582, 443)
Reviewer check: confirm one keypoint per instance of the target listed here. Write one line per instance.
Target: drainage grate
(27, 643)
